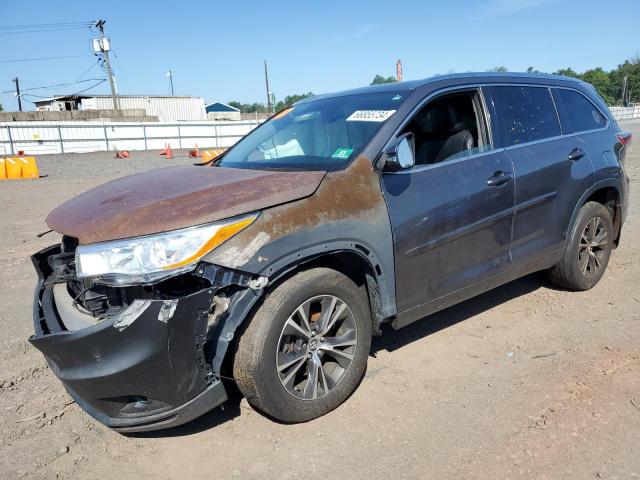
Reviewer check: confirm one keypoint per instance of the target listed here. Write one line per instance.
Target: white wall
(167, 109)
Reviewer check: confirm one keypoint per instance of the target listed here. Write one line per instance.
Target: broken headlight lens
(154, 257)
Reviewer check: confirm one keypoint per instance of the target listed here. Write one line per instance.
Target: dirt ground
(525, 381)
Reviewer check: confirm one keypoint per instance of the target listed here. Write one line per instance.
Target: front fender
(346, 213)
(273, 259)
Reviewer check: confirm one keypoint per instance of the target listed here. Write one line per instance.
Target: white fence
(625, 113)
(69, 137)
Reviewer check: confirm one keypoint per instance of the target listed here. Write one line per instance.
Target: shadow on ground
(225, 413)
(390, 340)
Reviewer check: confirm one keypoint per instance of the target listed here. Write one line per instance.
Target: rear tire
(588, 251)
(305, 350)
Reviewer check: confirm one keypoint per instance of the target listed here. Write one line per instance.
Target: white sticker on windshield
(370, 115)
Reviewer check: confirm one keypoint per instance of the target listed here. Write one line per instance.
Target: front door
(451, 214)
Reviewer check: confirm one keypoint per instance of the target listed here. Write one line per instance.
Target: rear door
(451, 223)
(580, 117)
(552, 170)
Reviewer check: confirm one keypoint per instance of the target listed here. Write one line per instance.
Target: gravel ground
(525, 381)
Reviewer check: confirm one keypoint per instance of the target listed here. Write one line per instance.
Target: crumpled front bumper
(141, 370)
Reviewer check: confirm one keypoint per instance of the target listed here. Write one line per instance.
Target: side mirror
(400, 154)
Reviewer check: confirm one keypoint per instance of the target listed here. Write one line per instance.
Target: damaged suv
(273, 265)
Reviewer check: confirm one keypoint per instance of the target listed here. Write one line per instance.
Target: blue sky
(216, 48)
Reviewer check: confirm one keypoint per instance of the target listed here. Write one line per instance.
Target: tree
(248, 107)
(290, 100)
(235, 104)
(1, 107)
(379, 80)
(631, 69)
(567, 72)
(602, 83)
(261, 108)
(532, 70)
(597, 77)
(498, 69)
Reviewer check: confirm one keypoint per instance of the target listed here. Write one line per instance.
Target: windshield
(322, 134)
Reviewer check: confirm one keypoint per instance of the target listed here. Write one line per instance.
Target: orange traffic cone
(194, 153)
(167, 151)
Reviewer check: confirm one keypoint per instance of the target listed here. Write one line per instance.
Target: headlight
(154, 257)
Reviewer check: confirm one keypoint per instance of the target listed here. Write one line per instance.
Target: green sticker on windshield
(342, 153)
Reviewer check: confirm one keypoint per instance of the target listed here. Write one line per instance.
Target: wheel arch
(354, 260)
(608, 193)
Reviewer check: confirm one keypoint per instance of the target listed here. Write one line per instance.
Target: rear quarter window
(577, 113)
(524, 114)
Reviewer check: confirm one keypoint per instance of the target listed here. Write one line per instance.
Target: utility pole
(17, 82)
(170, 75)
(266, 79)
(104, 48)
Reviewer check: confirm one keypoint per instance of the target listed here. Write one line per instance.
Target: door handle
(576, 154)
(499, 178)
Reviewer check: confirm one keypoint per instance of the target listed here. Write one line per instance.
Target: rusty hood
(175, 197)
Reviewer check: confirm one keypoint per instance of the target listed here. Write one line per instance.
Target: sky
(216, 48)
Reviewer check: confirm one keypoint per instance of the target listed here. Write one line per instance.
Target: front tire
(306, 348)
(588, 251)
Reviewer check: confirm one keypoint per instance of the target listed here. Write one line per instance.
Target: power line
(58, 85)
(37, 59)
(68, 94)
(32, 83)
(40, 25)
(93, 65)
(43, 27)
(15, 32)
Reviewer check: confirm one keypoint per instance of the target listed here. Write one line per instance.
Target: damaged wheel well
(361, 272)
(353, 264)
(223, 335)
(350, 263)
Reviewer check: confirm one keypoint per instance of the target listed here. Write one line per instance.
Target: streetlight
(170, 75)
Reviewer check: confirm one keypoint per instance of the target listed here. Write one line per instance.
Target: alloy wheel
(593, 247)
(316, 347)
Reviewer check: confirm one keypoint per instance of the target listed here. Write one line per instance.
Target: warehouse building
(166, 108)
(222, 111)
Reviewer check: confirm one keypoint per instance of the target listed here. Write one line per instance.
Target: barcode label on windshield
(370, 115)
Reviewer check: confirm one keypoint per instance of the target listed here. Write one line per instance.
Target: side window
(577, 112)
(449, 126)
(524, 114)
